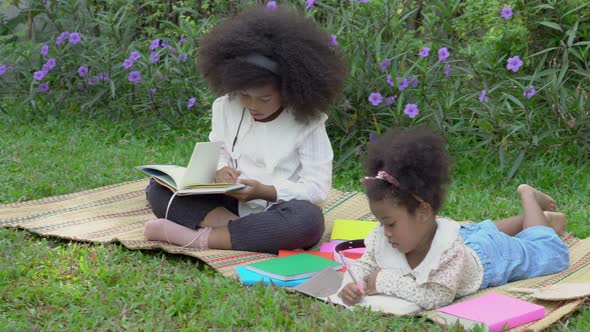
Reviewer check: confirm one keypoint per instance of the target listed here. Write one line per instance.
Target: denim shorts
(535, 251)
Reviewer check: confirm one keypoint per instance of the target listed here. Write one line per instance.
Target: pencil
(345, 261)
(228, 158)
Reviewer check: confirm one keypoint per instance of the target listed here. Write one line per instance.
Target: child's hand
(351, 294)
(371, 283)
(227, 175)
(254, 190)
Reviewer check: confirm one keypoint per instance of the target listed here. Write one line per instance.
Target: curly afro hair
(311, 70)
(418, 159)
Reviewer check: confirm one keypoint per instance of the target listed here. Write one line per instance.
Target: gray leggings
(294, 224)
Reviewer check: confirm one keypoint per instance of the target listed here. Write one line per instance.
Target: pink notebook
(496, 311)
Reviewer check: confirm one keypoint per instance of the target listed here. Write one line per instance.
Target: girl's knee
(157, 197)
(310, 221)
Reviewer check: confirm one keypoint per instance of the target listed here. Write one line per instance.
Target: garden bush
(510, 78)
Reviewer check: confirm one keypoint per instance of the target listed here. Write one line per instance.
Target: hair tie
(381, 175)
(262, 61)
(384, 176)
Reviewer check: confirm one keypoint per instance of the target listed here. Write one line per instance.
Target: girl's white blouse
(295, 158)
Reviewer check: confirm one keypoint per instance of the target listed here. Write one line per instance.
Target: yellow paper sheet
(352, 229)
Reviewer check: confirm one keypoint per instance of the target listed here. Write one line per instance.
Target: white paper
(326, 284)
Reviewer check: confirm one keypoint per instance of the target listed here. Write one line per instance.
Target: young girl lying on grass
(428, 260)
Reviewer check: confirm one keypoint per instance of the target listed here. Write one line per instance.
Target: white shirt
(295, 158)
(449, 270)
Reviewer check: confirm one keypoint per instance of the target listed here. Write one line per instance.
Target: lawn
(49, 284)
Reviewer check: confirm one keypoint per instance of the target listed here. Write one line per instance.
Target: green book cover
(293, 267)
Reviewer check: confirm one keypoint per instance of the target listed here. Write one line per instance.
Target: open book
(199, 175)
(326, 284)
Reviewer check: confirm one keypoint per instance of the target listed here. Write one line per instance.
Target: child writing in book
(277, 72)
(430, 261)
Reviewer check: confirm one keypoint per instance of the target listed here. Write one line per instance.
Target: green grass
(50, 284)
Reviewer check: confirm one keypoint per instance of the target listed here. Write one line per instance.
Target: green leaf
(515, 166)
(572, 34)
(545, 6)
(575, 9)
(582, 72)
(543, 52)
(514, 100)
(551, 25)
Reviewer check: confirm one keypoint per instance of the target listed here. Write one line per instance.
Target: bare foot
(557, 221)
(546, 202)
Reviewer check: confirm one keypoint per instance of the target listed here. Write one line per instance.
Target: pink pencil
(228, 158)
(345, 261)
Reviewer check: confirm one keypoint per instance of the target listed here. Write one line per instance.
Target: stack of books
(294, 267)
(288, 270)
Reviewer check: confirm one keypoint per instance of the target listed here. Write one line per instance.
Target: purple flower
(154, 57)
(372, 137)
(403, 84)
(191, 103)
(333, 41)
(62, 37)
(411, 110)
(171, 49)
(134, 55)
(39, 75)
(384, 64)
(272, 5)
(51, 63)
(447, 71)
(375, 98)
(164, 43)
(482, 96)
(183, 40)
(309, 3)
(443, 54)
(152, 92)
(514, 63)
(506, 12)
(530, 93)
(2, 70)
(46, 68)
(155, 44)
(134, 77)
(414, 82)
(75, 38)
(182, 57)
(83, 71)
(103, 76)
(424, 52)
(44, 50)
(364, 1)
(390, 100)
(43, 87)
(93, 80)
(127, 63)
(390, 80)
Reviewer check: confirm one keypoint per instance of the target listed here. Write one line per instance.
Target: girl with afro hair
(428, 260)
(277, 74)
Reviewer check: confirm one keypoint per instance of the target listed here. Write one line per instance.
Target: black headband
(262, 62)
